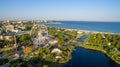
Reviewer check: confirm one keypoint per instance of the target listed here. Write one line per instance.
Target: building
(10, 27)
(56, 50)
(52, 41)
(1, 37)
(109, 44)
(58, 57)
(79, 32)
(6, 37)
(41, 36)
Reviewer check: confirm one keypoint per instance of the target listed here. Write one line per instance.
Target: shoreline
(54, 22)
(98, 49)
(92, 47)
(89, 31)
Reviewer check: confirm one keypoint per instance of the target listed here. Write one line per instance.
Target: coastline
(54, 22)
(92, 47)
(88, 31)
(99, 29)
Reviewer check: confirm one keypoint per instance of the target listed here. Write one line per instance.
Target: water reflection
(88, 58)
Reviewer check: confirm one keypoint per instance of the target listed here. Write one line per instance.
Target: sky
(80, 10)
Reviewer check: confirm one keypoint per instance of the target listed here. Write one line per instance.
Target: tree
(27, 27)
(3, 61)
(25, 40)
(44, 51)
(105, 41)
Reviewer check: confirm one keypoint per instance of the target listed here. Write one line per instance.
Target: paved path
(5, 49)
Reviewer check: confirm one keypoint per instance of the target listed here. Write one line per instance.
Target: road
(5, 49)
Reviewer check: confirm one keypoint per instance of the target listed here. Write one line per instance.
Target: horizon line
(64, 20)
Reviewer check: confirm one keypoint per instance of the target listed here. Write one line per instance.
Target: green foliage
(6, 43)
(28, 26)
(45, 58)
(44, 51)
(9, 52)
(52, 31)
(60, 38)
(63, 48)
(97, 39)
(25, 40)
(17, 63)
(3, 61)
(107, 43)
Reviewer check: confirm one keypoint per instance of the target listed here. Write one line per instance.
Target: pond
(88, 58)
(82, 57)
(82, 38)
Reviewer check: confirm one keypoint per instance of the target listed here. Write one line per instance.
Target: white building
(56, 50)
(42, 35)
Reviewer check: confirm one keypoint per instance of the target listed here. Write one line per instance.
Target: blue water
(82, 38)
(87, 58)
(111, 27)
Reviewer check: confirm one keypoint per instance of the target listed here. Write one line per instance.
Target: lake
(88, 58)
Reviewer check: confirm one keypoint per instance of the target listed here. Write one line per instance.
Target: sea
(109, 27)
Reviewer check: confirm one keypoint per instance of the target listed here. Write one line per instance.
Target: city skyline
(79, 10)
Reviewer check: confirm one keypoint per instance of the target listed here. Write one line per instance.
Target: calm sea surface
(112, 27)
